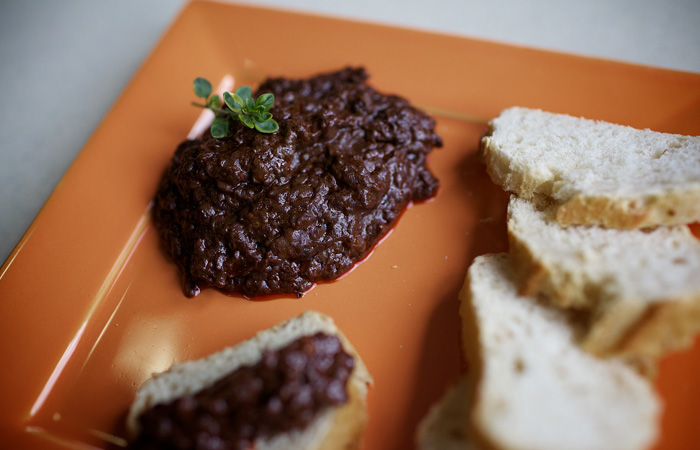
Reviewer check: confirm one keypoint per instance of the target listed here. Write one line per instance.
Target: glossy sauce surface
(275, 213)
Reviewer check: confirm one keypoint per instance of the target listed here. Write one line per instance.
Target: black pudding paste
(275, 213)
(283, 392)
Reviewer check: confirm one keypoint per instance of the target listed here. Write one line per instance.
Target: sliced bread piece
(532, 387)
(336, 427)
(594, 171)
(640, 287)
(446, 425)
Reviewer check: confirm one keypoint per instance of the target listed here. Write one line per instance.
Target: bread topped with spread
(593, 171)
(529, 385)
(299, 385)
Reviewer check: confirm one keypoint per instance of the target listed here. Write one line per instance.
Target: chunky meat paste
(275, 213)
(283, 392)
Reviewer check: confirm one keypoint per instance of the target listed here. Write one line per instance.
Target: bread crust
(445, 426)
(670, 208)
(349, 421)
(536, 278)
(664, 328)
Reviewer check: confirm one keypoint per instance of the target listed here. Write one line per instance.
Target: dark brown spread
(283, 392)
(276, 213)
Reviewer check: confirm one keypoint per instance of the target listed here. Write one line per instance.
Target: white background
(63, 63)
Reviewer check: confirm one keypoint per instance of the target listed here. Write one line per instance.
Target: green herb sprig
(241, 106)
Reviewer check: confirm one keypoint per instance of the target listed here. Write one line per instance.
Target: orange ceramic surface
(90, 306)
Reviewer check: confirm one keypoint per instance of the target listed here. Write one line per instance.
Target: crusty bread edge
(471, 349)
(498, 168)
(662, 328)
(538, 278)
(674, 207)
(445, 425)
(337, 427)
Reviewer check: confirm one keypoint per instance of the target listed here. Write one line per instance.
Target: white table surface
(63, 63)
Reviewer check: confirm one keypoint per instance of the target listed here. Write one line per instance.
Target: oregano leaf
(240, 103)
(214, 101)
(244, 92)
(269, 126)
(231, 102)
(246, 120)
(249, 104)
(266, 101)
(202, 87)
(219, 127)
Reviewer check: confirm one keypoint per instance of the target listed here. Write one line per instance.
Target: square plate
(91, 306)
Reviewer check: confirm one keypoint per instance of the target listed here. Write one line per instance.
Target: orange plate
(91, 306)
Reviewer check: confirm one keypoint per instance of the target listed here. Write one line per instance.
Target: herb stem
(213, 109)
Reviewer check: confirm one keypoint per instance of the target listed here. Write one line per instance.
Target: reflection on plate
(91, 306)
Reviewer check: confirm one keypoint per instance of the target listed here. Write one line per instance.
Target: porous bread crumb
(598, 172)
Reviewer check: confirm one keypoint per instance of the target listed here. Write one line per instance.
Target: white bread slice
(642, 287)
(594, 171)
(334, 428)
(445, 426)
(532, 386)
